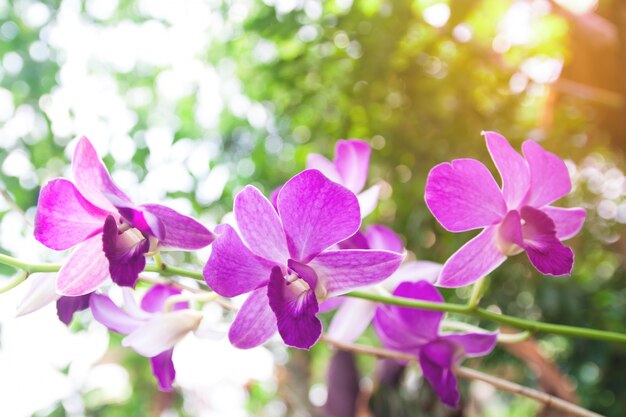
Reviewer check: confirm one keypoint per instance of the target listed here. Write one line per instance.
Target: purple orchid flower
(354, 314)
(111, 235)
(349, 168)
(463, 195)
(152, 331)
(42, 291)
(417, 332)
(283, 259)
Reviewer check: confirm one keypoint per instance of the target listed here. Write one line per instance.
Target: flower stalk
(478, 290)
(17, 280)
(480, 313)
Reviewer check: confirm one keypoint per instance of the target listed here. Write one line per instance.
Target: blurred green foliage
(420, 95)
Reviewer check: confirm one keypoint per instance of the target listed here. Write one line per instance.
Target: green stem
(481, 313)
(158, 260)
(523, 324)
(478, 289)
(168, 271)
(26, 266)
(21, 277)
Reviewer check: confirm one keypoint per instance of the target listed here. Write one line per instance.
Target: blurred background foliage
(189, 101)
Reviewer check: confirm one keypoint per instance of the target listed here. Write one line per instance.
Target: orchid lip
(508, 248)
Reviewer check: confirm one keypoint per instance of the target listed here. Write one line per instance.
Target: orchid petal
(64, 217)
(343, 270)
(545, 251)
(568, 221)
(232, 269)
(368, 200)
(316, 214)
(352, 159)
(356, 241)
(154, 299)
(323, 165)
(510, 231)
(473, 344)
(425, 322)
(295, 311)
(92, 178)
(181, 232)
(274, 197)
(549, 178)
(396, 334)
(163, 370)
(260, 226)
(436, 361)
(474, 260)
(351, 320)
(463, 195)
(67, 306)
(331, 304)
(381, 237)
(255, 322)
(147, 223)
(131, 306)
(162, 332)
(110, 315)
(40, 293)
(413, 271)
(125, 252)
(513, 168)
(85, 270)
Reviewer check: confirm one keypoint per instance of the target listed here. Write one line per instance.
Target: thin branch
(546, 399)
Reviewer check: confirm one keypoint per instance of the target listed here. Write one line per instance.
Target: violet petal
(340, 271)
(232, 269)
(85, 270)
(92, 178)
(67, 306)
(352, 159)
(64, 217)
(181, 232)
(549, 178)
(474, 260)
(544, 249)
(316, 214)
(436, 361)
(463, 195)
(255, 322)
(163, 370)
(154, 299)
(110, 315)
(513, 169)
(125, 252)
(295, 309)
(568, 221)
(260, 226)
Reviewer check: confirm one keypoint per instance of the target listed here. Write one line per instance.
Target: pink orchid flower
(285, 259)
(349, 168)
(463, 195)
(152, 330)
(419, 332)
(112, 236)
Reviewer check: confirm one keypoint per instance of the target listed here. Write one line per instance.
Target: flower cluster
(296, 252)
